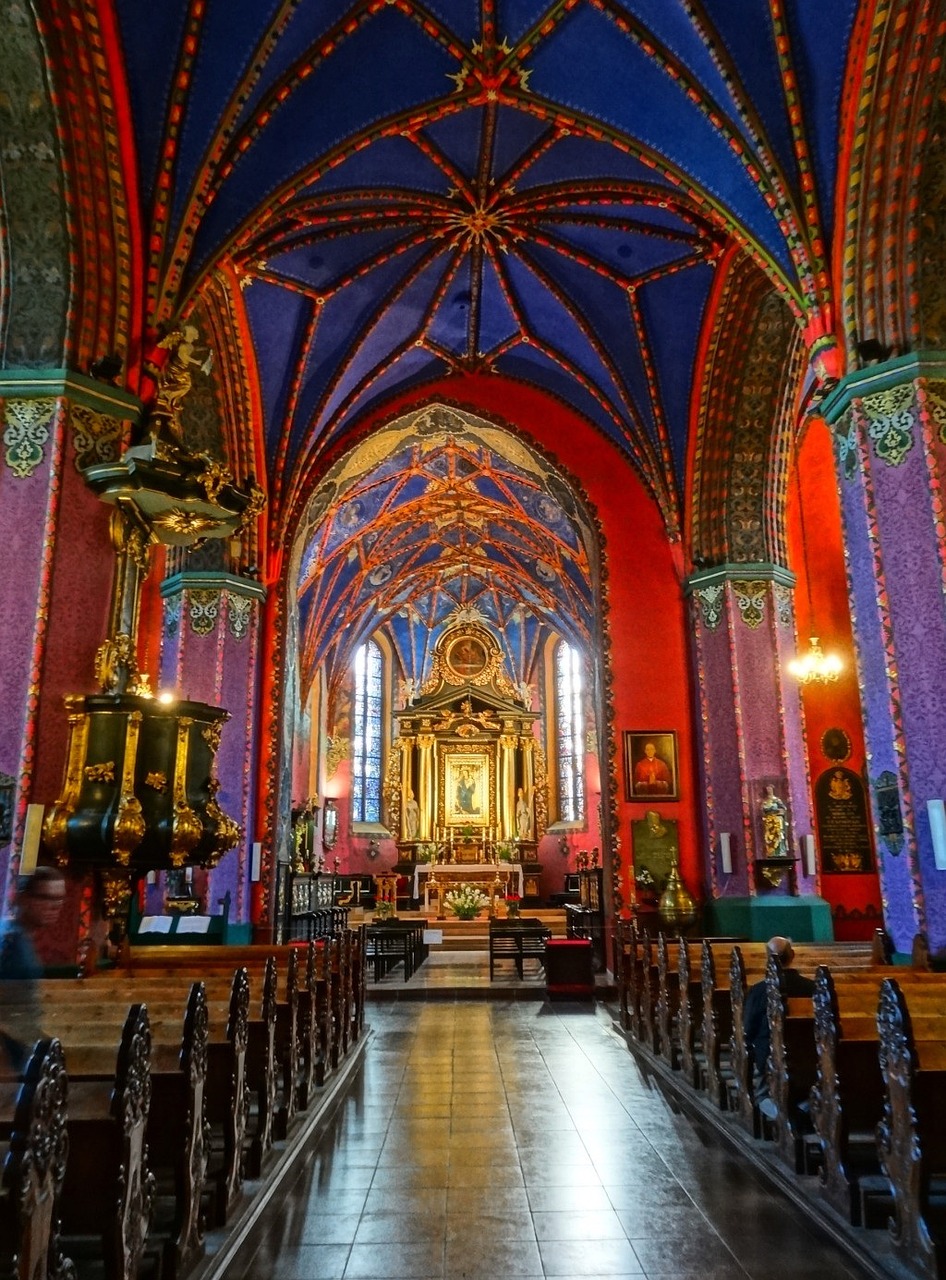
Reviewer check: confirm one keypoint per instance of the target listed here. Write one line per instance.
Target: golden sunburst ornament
(181, 522)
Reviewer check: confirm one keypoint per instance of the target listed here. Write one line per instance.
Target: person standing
(38, 903)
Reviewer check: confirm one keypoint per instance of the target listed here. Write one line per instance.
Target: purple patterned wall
(750, 719)
(209, 652)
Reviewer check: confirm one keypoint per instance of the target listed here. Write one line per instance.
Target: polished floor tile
(491, 1140)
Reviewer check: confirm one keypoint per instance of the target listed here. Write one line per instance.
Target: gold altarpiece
(466, 777)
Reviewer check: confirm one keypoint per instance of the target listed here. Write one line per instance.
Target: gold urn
(677, 908)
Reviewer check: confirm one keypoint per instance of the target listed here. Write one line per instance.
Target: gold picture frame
(467, 792)
(650, 775)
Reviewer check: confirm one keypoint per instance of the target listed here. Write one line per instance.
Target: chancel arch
(465, 553)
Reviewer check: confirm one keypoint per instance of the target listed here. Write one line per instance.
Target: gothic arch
(889, 232)
(753, 368)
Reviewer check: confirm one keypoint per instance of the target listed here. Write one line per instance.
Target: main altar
(467, 787)
(485, 875)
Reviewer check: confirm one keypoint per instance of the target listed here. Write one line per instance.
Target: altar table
(481, 873)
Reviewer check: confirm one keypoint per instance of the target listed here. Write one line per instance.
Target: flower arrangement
(429, 852)
(466, 903)
(512, 905)
(506, 851)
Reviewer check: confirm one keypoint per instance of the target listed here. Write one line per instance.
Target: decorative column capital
(750, 584)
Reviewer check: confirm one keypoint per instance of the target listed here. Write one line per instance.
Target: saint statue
(774, 825)
(411, 816)
(523, 816)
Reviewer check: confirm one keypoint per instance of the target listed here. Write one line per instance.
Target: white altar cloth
(446, 871)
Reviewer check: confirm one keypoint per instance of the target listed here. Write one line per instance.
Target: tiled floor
(446, 972)
(487, 1139)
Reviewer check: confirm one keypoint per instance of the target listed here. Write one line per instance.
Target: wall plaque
(844, 833)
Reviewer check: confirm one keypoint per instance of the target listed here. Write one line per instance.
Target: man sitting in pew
(755, 1019)
(39, 900)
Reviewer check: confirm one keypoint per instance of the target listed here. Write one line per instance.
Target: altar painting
(466, 789)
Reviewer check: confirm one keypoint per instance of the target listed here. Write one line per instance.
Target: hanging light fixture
(815, 666)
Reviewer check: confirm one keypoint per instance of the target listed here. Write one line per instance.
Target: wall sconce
(563, 846)
(329, 824)
(811, 861)
(937, 814)
(725, 852)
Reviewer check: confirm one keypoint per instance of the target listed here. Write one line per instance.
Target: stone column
(889, 425)
(55, 593)
(426, 782)
(209, 651)
(750, 718)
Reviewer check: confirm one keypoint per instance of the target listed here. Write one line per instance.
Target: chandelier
(815, 667)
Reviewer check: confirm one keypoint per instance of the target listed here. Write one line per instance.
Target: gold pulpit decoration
(140, 786)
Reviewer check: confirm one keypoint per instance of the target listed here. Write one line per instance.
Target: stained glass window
(570, 715)
(366, 736)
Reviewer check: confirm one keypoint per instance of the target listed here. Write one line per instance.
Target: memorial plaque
(654, 840)
(844, 833)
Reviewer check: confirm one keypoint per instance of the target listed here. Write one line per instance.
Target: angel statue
(774, 824)
(175, 379)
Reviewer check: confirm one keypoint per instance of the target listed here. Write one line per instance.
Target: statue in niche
(774, 824)
(523, 815)
(411, 816)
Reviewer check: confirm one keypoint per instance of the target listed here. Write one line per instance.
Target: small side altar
(483, 874)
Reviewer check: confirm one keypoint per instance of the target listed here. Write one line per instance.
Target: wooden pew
(177, 1132)
(215, 1033)
(848, 1096)
(108, 1189)
(34, 1145)
(793, 1062)
(911, 1137)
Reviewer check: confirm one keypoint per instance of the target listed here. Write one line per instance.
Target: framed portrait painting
(650, 765)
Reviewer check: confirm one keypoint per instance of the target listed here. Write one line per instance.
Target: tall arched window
(570, 716)
(366, 738)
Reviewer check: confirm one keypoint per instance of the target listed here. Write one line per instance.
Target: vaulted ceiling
(544, 190)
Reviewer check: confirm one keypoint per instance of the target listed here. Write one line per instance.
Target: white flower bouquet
(466, 903)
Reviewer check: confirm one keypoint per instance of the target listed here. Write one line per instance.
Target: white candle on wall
(32, 835)
(725, 853)
(811, 862)
(937, 813)
(256, 863)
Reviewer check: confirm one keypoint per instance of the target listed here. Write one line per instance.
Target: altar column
(507, 779)
(889, 426)
(427, 799)
(406, 747)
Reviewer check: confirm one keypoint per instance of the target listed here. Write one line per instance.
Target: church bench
(847, 1097)
(176, 1135)
(108, 1188)
(33, 1146)
(911, 1137)
(724, 1062)
(793, 1067)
